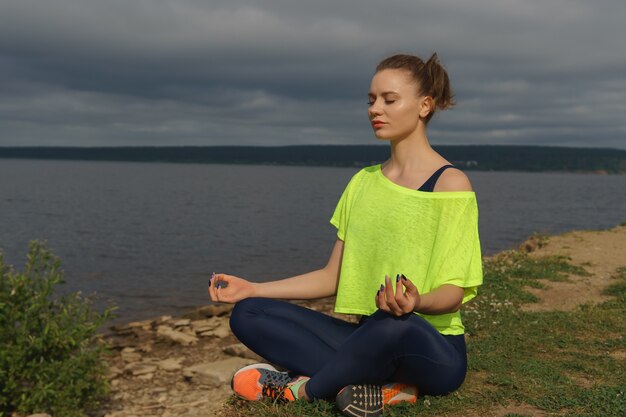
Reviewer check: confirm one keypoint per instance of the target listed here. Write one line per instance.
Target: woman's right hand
(237, 288)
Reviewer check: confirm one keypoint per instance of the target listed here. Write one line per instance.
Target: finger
(228, 288)
(391, 301)
(401, 298)
(380, 297)
(226, 292)
(214, 281)
(399, 294)
(410, 287)
(212, 287)
(412, 293)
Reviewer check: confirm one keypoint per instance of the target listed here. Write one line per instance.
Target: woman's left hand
(401, 302)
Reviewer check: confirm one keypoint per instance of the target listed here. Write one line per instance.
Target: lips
(377, 123)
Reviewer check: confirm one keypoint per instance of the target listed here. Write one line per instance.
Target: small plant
(51, 359)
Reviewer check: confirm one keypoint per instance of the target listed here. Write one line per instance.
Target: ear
(427, 106)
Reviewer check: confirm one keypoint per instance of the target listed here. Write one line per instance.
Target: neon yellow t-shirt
(430, 237)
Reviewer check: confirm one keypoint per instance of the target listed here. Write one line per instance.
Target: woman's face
(394, 104)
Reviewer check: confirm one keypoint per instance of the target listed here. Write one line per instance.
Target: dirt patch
(519, 409)
(620, 355)
(581, 380)
(600, 252)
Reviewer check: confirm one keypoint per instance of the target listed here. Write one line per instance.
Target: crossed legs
(335, 353)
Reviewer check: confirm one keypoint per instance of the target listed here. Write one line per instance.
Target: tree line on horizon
(469, 157)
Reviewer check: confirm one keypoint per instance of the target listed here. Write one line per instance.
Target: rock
(119, 414)
(215, 374)
(170, 364)
(122, 330)
(130, 355)
(221, 332)
(140, 368)
(201, 326)
(145, 325)
(40, 415)
(240, 350)
(181, 323)
(532, 244)
(188, 330)
(209, 311)
(146, 377)
(176, 336)
(114, 372)
(145, 348)
(120, 342)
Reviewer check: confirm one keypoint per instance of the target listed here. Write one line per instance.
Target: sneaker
(368, 400)
(259, 380)
(253, 366)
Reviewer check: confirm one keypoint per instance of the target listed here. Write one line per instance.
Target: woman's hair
(430, 76)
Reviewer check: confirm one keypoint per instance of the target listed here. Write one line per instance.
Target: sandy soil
(600, 252)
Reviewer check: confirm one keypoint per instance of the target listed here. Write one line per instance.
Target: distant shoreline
(356, 165)
(602, 161)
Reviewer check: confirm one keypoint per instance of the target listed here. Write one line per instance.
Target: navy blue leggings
(381, 348)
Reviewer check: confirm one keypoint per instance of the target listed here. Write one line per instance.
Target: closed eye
(371, 103)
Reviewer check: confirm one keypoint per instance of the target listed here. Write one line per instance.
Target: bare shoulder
(453, 179)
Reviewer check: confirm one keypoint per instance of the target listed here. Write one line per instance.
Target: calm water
(148, 235)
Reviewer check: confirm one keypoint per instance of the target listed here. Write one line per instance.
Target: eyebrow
(383, 93)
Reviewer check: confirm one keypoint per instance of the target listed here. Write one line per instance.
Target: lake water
(147, 236)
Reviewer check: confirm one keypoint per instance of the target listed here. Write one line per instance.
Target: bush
(51, 359)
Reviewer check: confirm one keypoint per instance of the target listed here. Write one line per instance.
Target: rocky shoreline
(180, 366)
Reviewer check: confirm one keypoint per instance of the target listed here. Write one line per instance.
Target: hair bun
(440, 91)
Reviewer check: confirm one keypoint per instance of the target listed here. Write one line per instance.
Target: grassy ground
(520, 363)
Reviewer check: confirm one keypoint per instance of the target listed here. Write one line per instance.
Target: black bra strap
(429, 185)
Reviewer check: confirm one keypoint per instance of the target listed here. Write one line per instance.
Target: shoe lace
(273, 391)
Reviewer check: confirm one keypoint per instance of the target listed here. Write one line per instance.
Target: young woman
(413, 217)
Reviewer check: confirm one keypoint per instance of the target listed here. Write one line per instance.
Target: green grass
(562, 363)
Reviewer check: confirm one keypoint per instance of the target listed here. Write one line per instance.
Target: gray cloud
(146, 72)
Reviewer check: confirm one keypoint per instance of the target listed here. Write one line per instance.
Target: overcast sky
(243, 72)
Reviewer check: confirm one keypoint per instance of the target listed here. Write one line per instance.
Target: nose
(375, 109)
